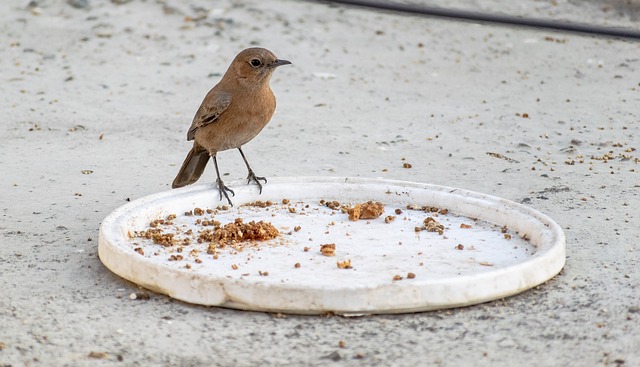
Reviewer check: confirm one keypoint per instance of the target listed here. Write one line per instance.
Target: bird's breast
(245, 117)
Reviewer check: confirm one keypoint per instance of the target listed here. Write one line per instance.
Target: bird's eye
(255, 63)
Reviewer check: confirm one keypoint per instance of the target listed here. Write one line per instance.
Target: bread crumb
(368, 210)
(432, 225)
(328, 249)
(345, 264)
(238, 231)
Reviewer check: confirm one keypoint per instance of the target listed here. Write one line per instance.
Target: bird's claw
(252, 177)
(224, 190)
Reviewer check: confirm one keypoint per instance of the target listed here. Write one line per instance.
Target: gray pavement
(96, 100)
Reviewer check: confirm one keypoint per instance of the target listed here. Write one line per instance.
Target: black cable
(494, 18)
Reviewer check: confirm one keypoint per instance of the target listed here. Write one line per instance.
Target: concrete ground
(96, 99)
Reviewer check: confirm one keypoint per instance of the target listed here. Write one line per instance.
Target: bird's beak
(277, 63)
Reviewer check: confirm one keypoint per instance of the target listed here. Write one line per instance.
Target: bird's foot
(224, 190)
(252, 177)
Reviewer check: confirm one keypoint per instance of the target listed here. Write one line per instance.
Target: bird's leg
(223, 190)
(252, 176)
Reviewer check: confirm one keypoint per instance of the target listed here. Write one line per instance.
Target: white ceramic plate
(264, 277)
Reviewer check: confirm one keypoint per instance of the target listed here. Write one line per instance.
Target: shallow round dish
(488, 248)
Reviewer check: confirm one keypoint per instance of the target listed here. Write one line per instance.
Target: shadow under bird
(233, 112)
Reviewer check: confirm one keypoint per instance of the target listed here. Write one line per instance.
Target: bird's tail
(192, 168)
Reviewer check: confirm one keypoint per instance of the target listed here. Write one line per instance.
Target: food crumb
(411, 275)
(465, 226)
(234, 266)
(460, 247)
(406, 165)
(342, 344)
(306, 249)
(260, 204)
(238, 231)
(345, 264)
(285, 201)
(333, 205)
(297, 228)
(328, 249)
(297, 265)
(368, 210)
(432, 225)
(389, 218)
(397, 277)
(428, 209)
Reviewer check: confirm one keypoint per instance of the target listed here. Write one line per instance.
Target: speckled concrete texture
(96, 99)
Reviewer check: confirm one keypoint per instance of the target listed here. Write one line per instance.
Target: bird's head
(254, 66)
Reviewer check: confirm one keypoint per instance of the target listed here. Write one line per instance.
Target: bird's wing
(213, 106)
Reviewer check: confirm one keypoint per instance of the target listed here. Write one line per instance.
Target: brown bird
(233, 112)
